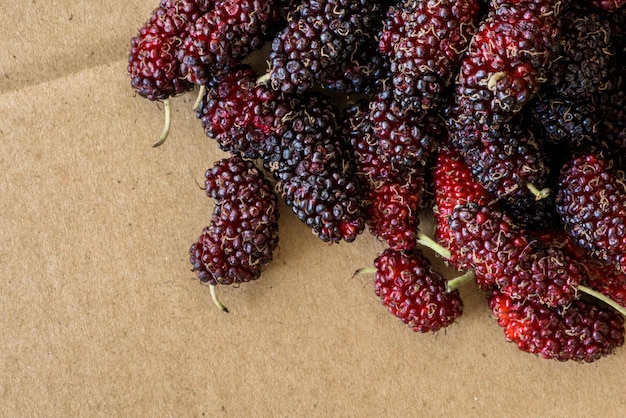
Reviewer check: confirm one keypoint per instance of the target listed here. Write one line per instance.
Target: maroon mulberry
(153, 63)
(222, 37)
(591, 201)
(425, 46)
(508, 256)
(505, 63)
(243, 231)
(239, 113)
(411, 290)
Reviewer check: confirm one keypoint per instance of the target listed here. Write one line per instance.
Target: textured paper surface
(100, 314)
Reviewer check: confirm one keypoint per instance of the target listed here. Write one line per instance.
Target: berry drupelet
(243, 231)
(608, 5)
(411, 290)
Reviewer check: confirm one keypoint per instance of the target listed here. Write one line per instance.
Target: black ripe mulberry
(319, 37)
(586, 57)
(313, 170)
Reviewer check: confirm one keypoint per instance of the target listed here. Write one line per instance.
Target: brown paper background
(101, 316)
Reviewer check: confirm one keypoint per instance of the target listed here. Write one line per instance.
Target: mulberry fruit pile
(501, 123)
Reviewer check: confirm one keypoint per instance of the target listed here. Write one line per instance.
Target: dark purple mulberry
(313, 170)
(586, 57)
(319, 37)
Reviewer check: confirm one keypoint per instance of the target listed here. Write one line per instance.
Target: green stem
(216, 300)
(364, 270)
(168, 122)
(454, 284)
(198, 102)
(428, 242)
(539, 194)
(619, 308)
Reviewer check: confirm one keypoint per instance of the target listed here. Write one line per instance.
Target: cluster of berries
(506, 119)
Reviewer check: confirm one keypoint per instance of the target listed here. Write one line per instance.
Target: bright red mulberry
(412, 291)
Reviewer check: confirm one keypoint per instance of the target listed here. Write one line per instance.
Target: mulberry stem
(198, 102)
(428, 242)
(364, 270)
(264, 78)
(168, 123)
(216, 300)
(613, 304)
(539, 194)
(454, 284)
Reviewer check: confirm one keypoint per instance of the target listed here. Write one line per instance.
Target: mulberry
(505, 63)
(153, 65)
(243, 231)
(433, 37)
(506, 255)
(222, 37)
(239, 113)
(314, 174)
(591, 201)
(581, 332)
(320, 36)
(586, 56)
(412, 291)
(393, 211)
(407, 137)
